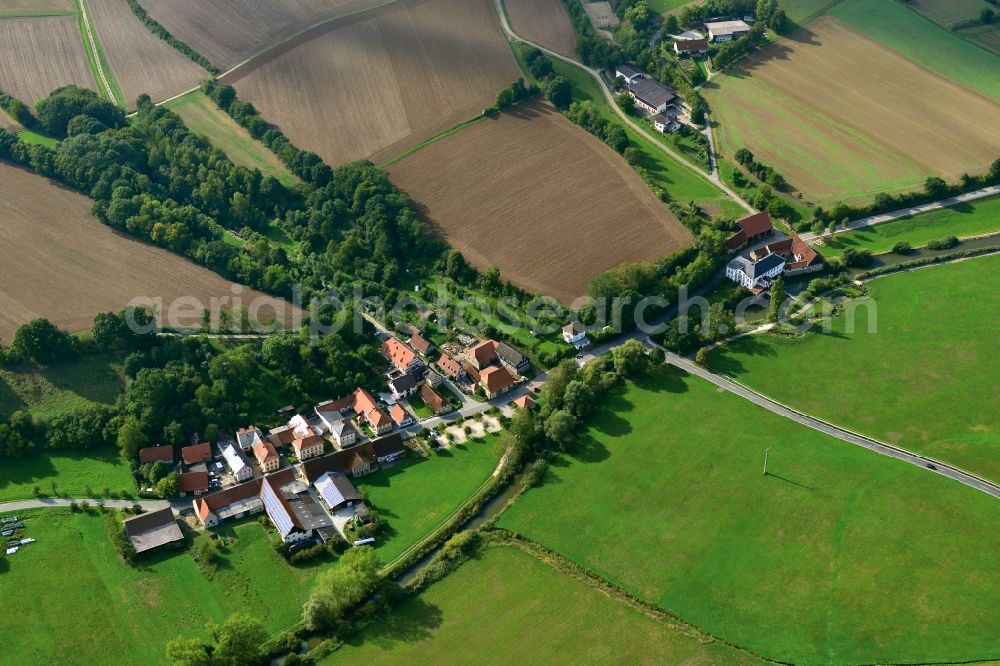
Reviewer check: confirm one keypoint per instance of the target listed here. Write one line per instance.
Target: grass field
(415, 496)
(100, 270)
(949, 13)
(38, 55)
(666, 6)
(932, 326)
(29, 136)
(49, 391)
(487, 187)
(838, 555)
(201, 115)
(86, 586)
(375, 84)
(72, 473)
(544, 22)
(843, 117)
(969, 219)
(506, 606)
(141, 61)
(682, 184)
(803, 11)
(893, 25)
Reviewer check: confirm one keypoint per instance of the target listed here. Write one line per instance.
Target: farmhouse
(651, 96)
(665, 124)
(484, 354)
(799, 256)
(153, 530)
(575, 333)
(691, 46)
(433, 400)
(402, 357)
(336, 490)
(308, 447)
(193, 483)
(357, 461)
(756, 274)
(238, 501)
(496, 381)
(152, 454)
(511, 358)
(266, 456)
(726, 31)
(629, 73)
(752, 228)
(388, 449)
(237, 462)
(198, 453)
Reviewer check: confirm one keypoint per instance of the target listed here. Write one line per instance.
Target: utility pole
(765, 460)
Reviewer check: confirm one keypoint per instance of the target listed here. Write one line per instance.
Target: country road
(147, 505)
(913, 210)
(596, 75)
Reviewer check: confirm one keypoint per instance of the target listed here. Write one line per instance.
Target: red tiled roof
(193, 481)
(310, 442)
(451, 367)
(689, 45)
(525, 402)
(398, 414)
(756, 224)
(156, 453)
(398, 354)
(496, 379)
(431, 397)
(485, 353)
(192, 455)
(264, 452)
(419, 343)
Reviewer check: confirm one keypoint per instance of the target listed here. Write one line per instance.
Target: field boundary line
(95, 52)
(437, 137)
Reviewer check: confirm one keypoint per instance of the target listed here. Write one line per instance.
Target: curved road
(832, 430)
(596, 75)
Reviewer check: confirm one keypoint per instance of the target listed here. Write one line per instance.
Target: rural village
(419, 330)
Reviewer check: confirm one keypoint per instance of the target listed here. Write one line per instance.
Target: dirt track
(61, 263)
(539, 197)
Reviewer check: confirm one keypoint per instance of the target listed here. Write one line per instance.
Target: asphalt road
(148, 505)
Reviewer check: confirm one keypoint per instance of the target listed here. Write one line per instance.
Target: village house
(433, 378)
(308, 447)
(451, 367)
(629, 73)
(483, 355)
(355, 462)
(496, 381)
(691, 47)
(756, 274)
(300, 427)
(651, 96)
(344, 433)
(193, 483)
(236, 461)
(388, 449)
(237, 501)
(281, 436)
(752, 228)
(248, 438)
(666, 124)
(266, 456)
(525, 402)
(362, 403)
(575, 333)
(511, 358)
(726, 31)
(400, 416)
(433, 400)
(196, 454)
(152, 454)
(419, 343)
(404, 359)
(402, 385)
(153, 530)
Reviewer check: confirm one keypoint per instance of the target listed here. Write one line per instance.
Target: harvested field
(62, 264)
(538, 196)
(35, 7)
(38, 55)
(544, 22)
(601, 15)
(229, 31)
(141, 61)
(843, 118)
(9, 123)
(374, 85)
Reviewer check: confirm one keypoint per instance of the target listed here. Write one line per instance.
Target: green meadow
(47, 391)
(837, 555)
(72, 474)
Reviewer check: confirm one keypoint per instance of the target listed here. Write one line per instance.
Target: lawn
(63, 387)
(202, 116)
(506, 606)
(892, 24)
(31, 137)
(418, 494)
(666, 6)
(78, 586)
(838, 555)
(682, 184)
(967, 219)
(72, 473)
(926, 381)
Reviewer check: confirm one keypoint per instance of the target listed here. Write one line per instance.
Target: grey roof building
(651, 94)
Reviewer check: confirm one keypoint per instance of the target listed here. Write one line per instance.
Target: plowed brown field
(374, 85)
(61, 263)
(32, 7)
(229, 31)
(142, 62)
(540, 198)
(544, 22)
(38, 55)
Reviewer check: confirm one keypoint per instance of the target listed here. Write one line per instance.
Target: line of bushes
(928, 261)
(17, 110)
(157, 29)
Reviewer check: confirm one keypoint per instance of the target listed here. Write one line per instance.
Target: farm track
(712, 178)
(95, 52)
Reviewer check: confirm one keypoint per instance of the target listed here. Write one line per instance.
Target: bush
(945, 243)
(902, 247)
